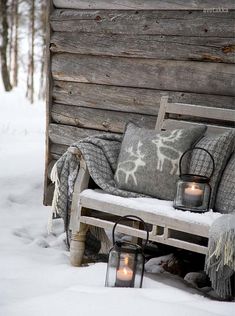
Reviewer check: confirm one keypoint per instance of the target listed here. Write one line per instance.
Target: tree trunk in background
(30, 75)
(4, 44)
(10, 44)
(31, 63)
(15, 61)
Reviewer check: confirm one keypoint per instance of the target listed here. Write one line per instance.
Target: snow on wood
(152, 205)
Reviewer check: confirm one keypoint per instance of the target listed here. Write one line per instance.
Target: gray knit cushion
(225, 200)
(220, 147)
(148, 162)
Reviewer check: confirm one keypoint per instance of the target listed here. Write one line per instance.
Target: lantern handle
(131, 217)
(192, 149)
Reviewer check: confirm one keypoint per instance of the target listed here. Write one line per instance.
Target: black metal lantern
(126, 260)
(193, 191)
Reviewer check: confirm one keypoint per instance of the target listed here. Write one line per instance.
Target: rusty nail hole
(206, 30)
(136, 12)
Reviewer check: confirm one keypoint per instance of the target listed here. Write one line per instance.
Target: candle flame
(125, 271)
(194, 186)
(126, 261)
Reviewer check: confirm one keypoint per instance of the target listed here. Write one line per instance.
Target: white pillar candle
(193, 196)
(125, 274)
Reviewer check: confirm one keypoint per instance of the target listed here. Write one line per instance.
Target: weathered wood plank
(48, 193)
(143, 101)
(66, 135)
(145, 4)
(160, 47)
(55, 156)
(57, 150)
(115, 98)
(104, 120)
(47, 190)
(174, 23)
(197, 77)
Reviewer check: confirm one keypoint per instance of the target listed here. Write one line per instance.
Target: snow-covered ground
(35, 275)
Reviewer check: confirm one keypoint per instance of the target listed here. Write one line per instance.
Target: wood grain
(214, 49)
(49, 82)
(66, 135)
(103, 120)
(127, 99)
(196, 77)
(174, 23)
(57, 150)
(145, 4)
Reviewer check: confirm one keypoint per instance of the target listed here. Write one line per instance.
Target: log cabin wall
(111, 61)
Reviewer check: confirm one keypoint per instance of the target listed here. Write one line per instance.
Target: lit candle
(193, 196)
(124, 275)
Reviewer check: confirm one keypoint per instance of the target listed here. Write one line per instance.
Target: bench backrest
(208, 115)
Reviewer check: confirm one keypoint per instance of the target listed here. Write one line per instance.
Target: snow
(154, 206)
(35, 275)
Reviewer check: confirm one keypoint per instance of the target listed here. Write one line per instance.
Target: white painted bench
(169, 226)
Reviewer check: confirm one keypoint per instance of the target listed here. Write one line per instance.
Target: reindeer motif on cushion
(165, 151)
(130, 166)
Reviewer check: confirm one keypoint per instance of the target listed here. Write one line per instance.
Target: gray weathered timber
(48, 189)
(104, 120)
(173, 23)
(145, 4)
(214, 49)
(115, 98)
(137, 100)
(197, 77)
(57, 150)
(55, 156)
(66, 135)
(48, 193)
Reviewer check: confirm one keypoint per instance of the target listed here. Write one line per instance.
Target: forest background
(22, 46)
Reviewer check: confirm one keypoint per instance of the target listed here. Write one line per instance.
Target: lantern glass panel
(139, 271)
(192, 196)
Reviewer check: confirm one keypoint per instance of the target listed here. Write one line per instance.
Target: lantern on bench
(193, 191)
(126, 260)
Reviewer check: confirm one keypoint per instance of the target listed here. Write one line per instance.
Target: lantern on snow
(126, 260)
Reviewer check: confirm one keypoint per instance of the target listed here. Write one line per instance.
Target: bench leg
(77, 246)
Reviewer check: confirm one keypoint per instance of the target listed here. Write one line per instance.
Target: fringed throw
(220, 258)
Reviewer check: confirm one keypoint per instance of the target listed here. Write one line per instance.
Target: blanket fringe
(220, 263)
(54, 210)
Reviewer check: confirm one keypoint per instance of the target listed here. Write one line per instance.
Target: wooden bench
(171, 227)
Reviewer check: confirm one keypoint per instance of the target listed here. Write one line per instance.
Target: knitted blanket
(220, 258)
(101, 154)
